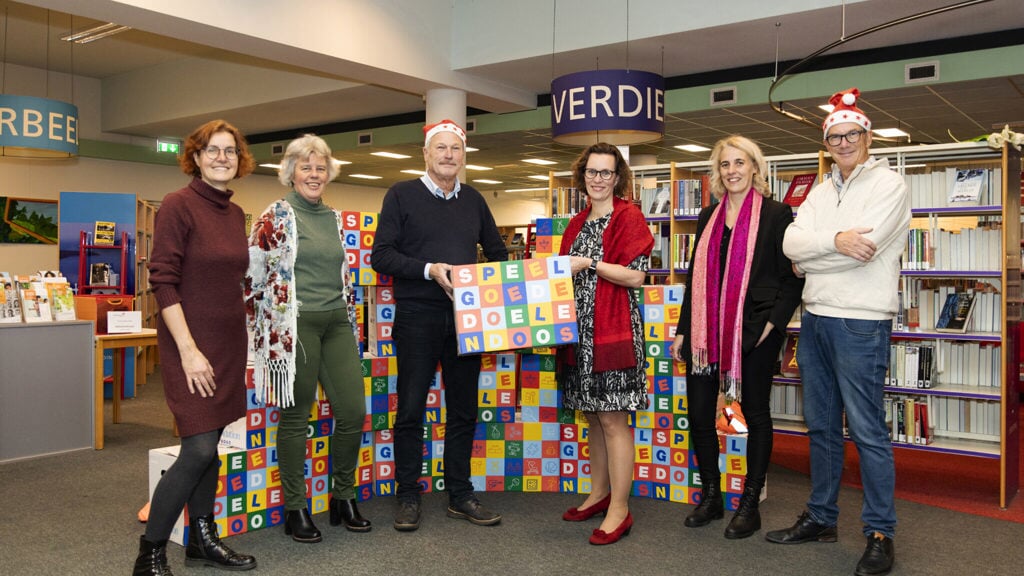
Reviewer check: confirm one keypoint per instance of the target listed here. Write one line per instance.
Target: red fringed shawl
(625, 238)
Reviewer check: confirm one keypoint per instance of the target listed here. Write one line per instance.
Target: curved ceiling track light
(795, 68)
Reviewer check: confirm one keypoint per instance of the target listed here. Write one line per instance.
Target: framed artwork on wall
(28, 221)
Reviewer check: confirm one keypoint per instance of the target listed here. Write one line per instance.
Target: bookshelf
(973, 402)
(515, 238)
(145, 301)
(928, 169)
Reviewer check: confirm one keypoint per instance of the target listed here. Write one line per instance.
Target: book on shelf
(956, 313)
(10, 303)
(62, 299)
(104, 233)
(798, 189)
(99, 274)
(658, 201)
(967, 187)
(790, 369)
(35, 302)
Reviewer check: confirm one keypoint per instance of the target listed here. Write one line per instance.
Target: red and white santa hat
(845, 110)
(445, 125)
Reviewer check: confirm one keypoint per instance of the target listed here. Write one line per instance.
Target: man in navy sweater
(426, 226)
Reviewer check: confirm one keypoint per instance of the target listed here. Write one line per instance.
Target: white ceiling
(931, 113)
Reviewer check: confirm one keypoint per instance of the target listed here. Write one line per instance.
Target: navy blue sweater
(417, 227)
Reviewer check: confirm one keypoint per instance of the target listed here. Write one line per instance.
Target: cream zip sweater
(839, 286)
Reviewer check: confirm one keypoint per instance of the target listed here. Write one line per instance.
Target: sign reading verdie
(515, 304)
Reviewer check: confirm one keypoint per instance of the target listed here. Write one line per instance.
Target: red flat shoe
(576, 515)
(600, 537)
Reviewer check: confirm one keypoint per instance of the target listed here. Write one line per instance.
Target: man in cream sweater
(847, 239)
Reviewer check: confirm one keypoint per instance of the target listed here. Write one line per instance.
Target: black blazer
(773, 292)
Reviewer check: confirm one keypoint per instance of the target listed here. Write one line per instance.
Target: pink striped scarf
(718, 338)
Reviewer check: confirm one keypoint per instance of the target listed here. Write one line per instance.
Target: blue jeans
(842, 365)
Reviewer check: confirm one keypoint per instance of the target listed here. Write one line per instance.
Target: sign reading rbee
(40, 123)
(513, 305)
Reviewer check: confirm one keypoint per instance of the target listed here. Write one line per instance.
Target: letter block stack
(249, 494)
(549, 236)
(525, 441)
(359, 230)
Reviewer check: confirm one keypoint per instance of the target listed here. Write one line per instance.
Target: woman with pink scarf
(740, 294)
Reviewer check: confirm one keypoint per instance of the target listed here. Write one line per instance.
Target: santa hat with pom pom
(845, 110)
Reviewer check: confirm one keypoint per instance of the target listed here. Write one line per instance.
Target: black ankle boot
(345, 511)
(747, 519)
(206, 549)
(301, 527)
(710, 507)
(152, 559)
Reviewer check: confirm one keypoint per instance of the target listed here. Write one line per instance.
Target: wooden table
(117, 343)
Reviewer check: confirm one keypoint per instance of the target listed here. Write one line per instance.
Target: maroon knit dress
(200, 255)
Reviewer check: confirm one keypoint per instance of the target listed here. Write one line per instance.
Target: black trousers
(425, 335)
(702, 402)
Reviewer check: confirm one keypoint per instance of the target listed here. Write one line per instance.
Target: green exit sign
(168, 146)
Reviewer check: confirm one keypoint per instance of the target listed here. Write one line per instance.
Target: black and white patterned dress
(613, 390)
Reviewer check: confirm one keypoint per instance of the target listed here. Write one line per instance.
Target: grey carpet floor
(74, 514)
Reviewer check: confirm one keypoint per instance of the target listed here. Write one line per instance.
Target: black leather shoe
(805, 530)
(206, 549)
(152, 559)
(878, 556)
(407, 516)
(710, 507)
(345, 511)
(471, 509)
(747, 519)
(300, 526)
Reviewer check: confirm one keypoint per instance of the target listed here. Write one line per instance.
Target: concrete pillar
(447, 103)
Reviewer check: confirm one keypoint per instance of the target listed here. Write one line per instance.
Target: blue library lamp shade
(32, 127)
(620, 107)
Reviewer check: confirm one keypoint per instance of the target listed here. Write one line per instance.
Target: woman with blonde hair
(740, 294)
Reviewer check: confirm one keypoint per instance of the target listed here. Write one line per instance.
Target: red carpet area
(961, 483)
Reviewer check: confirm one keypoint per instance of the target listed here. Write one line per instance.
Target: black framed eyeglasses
(852, 137)
(590, 174)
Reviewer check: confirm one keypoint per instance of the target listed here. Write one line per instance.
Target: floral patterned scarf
(270, 301)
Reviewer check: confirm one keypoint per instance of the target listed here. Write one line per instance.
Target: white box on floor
(160, 459)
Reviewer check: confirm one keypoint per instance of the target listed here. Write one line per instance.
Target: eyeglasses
(851, 137)
(213, 152)
(590, 174)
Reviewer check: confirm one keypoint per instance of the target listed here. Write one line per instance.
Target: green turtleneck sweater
(319, 256)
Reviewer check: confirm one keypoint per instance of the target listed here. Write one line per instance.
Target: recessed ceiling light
(828, 108)
(475, 167)
(274, 166)
(540, 177)
(390, 155)
(339, 162)
(486, 181)
(693, 148)
(365, 176)
(540, 161)
(527, 190)
(416, 172)
(890, 133)
(471, 149)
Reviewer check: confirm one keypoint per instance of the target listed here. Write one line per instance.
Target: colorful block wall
(359, 229)
(549, 236)
(525, 441)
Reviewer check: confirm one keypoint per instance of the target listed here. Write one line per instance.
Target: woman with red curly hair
(196, 269)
